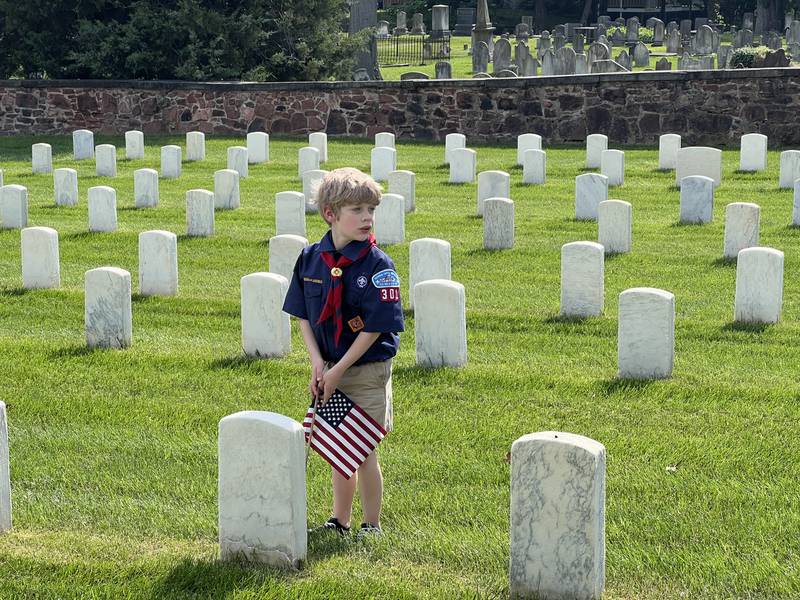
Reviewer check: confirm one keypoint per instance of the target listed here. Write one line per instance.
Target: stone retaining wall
(705, 107)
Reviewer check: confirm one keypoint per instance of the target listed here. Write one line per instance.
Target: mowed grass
(113, 453)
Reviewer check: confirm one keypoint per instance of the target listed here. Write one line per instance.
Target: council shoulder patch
(387, 278)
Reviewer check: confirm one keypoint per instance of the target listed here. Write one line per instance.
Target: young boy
(346, 294)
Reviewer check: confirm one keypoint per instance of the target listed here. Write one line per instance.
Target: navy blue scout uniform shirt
(370, 299)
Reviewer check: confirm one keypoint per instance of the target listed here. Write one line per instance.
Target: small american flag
(344, 434)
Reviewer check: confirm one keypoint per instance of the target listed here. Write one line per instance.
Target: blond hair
(346, 186)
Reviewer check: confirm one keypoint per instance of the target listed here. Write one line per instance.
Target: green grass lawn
(461, 61)
(113, 453)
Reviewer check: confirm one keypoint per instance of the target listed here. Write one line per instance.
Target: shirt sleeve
(295, 303)
(381, 305)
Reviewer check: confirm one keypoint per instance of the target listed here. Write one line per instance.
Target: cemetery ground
(114, 455)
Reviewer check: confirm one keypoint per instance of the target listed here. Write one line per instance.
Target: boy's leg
(370, 487)
(343, 492)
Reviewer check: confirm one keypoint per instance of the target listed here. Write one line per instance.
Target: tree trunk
(539, 13)
(587, 11)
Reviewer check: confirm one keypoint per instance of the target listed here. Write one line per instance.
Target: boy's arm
(332, 377)
(317, 364)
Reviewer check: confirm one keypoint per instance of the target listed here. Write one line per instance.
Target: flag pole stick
(311, 430)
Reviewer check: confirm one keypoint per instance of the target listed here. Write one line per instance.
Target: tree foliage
(265, 40)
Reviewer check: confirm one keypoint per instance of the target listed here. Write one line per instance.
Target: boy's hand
(330, 381)
(315, 383)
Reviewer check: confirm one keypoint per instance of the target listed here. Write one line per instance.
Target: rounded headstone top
(393, 197)
(649, 291)
(148, 171)
(750, 205)
(760, 250)
(109, 271)
(15, 187)
(40, 229)
(103, 188)
(273, 277)
(562, 438)
(261, 416)
(580, 245)
(402, 172)
(428, 240)
(157, 233)
(62, 170)
(231, 172)
(490, 173)
(170, 147)
(289, 236)
(438, 283)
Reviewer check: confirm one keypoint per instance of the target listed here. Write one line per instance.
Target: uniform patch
(386, 279)
(362, 281)
(356, 324)
(391, 294)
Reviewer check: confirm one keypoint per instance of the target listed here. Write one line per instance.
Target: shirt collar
(351, 251)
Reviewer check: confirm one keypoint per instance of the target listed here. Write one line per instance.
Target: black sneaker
(333, 524)
(368, 529)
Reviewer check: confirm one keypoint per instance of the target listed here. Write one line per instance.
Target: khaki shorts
(370, 386)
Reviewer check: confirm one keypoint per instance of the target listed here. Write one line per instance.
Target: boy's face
(353, 223)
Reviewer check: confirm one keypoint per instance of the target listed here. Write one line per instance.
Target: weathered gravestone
(658, 32)
(463, 165)
(145, 188)
(492, 184)
(266, 330)
(226, 189)
(527, 141)
(548, 63)
(663, 64)
(465, 21)
(401, 23)
(283, 252)
(170, 161)
(498, 223)
(581, 64)
(257, 147)
(697, 199)
(480, 58)
(105, 160)
(641, 55)
(545, 44)
(624, 59)
(238, 161)
(307, 160)
(612, 165)
(390, 221)
(673, 42)
(158, 263)
(13, 206)
(590, 190)
(565, 61)
(107, 308)
(40, 263)
(646, 334)
(195, 145)
(704, 40)
(199, 213)
(82, 144)
(319, 140)
(699, 160)
(582, 279)
(262, 489)
(384, 140)
(443, 70)
(596, 144)
(428, 258)
(790, 169)
(502, 55)
(65, 186)
(5, 473)
(759, 286)
(597, 51)
(557, 538)
(41, 158)
(753, 152)
(102, 202)
(534, 167)
(615, 226)
(134, 145)
(382, 162)
(311, 182)
(453, 141)
(796, 204)
(417, 24)
(440, 323)
(404, 183)
(742, 223)
(290, 213)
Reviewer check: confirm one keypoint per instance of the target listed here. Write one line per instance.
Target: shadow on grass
(14, 292)
(724, 262)
(238, 361)
(77, 351)
(134, 208)
(616, 384)
(484, 252)
(746, 327)
(680, 224)
(564, 320)
(79, 235)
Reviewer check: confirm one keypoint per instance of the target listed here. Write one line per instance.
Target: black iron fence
(413, 49)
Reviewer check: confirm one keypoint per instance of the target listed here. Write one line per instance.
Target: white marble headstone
(759, 285)
(668, 146)
(492, 184)
(145, 188)
(790, 168)
(5, 472)
(237, 160)
(697, 199)
(195, 145)
(311, 182)
(527, 141)
(453, 141)
(307, 160)
(557, 532)
(199, 213)
(134, 145)
(13, 206)
(582, 279)
(440, 323)
(615, 226)
(262, 489)
(590, 190)
(158, 263)
(404, 183)
(226, 189)
(498, 223)
(753, 152)
(82, 144)
(102, 208)
(596, 144)
(383, 161)
(319, 140)
(384, 140)
(283, 252)
(795, 204)
(463, 165)
(646, 334)
(41, 158)
(742, 220)
(428, 258)
(105, 160)
(390, 220)
(40, 264)
(257, 147)
(612, 165)
(699, 160)
(290, 213)
(107, 308)
(266, 331)
(65, 186)
(170, 161)
(534, 167)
